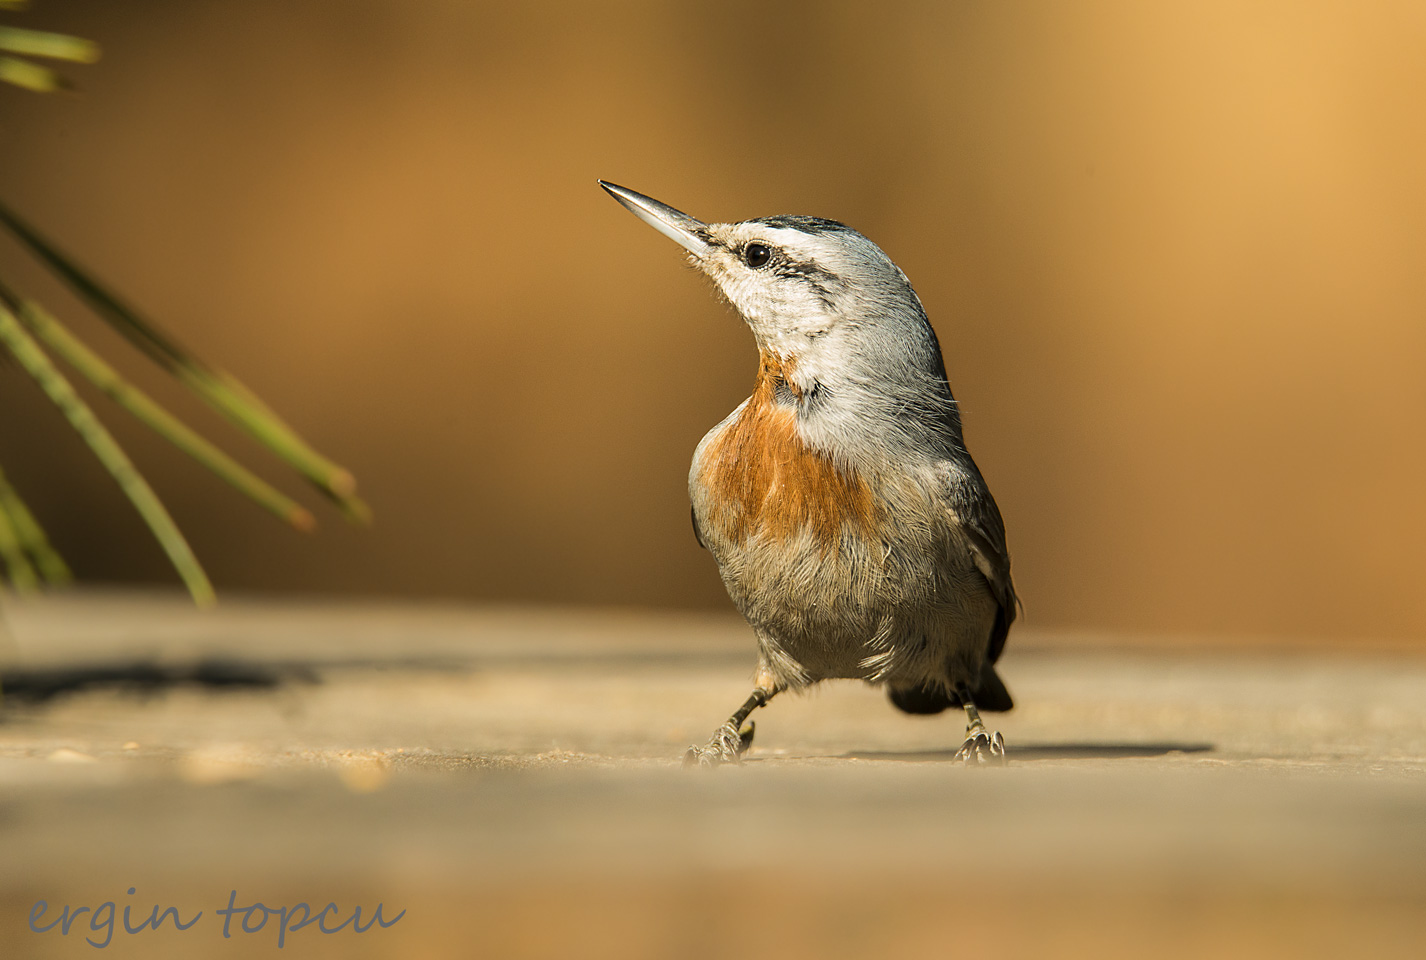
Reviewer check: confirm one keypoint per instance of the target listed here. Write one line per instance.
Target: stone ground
(510, 779)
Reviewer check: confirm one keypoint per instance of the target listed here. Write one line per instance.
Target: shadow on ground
(145, 678)
(1044, 751)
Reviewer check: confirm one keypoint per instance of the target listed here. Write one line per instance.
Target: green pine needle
(31, 536)
(223, 392)
(34, 361)
(18, 569)
(31, 76)
(55, 46)
(62, 342)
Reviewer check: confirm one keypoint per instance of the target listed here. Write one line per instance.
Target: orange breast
(762, 478)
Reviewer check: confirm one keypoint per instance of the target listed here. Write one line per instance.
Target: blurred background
(1174, 255)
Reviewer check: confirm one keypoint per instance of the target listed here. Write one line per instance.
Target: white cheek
(814, 367)
(785, 316)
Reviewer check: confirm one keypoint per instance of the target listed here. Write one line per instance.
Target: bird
(850, 525)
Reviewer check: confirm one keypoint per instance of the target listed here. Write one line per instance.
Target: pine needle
(31, 76)
(18, 569)
(41, 43)
(61, 341)
(223, 392)
(31, 536)
(33, 359)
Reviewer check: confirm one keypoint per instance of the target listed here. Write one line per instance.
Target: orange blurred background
(1174, 254)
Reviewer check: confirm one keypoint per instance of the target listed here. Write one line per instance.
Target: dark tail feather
(924, 699)
(990, 695)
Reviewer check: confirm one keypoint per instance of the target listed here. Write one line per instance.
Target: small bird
(850, 525)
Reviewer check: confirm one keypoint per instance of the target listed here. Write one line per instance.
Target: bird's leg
(730, 741)
(981, 746)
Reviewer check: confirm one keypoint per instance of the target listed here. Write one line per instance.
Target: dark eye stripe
(807, 270)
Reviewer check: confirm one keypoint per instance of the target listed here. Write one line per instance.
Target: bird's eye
(757, 254)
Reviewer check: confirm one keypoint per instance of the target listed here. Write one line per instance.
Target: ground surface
(511, 779)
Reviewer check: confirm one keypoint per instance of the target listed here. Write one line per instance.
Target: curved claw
(981, 747)
(727, 745)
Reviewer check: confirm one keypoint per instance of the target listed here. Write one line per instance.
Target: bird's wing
(984, 531)
(697, 533)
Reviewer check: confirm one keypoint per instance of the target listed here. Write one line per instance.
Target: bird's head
(822, 300)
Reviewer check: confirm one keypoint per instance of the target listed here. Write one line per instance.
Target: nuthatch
(850, 525)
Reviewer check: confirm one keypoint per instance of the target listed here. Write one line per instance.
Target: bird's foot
(727, 745)
(982, 746)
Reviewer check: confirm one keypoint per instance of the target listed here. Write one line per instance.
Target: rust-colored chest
(760, 478)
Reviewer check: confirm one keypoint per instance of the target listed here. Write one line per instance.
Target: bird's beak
(674, 224)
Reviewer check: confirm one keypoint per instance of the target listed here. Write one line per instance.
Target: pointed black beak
(674, 224)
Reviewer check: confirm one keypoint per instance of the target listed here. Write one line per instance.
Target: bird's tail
(989, 695)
